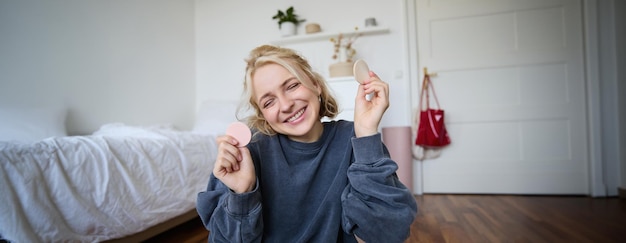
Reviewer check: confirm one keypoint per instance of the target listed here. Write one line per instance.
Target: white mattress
(116, 182)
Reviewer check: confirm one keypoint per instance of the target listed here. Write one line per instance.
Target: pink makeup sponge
(241, 132)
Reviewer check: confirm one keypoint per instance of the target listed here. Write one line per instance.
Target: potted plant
(287, 21)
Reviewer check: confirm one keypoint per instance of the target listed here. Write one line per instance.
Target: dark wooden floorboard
(493, 218)
(503, 218)
(190, 232)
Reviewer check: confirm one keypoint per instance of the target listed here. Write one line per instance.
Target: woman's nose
(286, 104)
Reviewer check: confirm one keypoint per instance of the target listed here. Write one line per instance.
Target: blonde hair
(299, 68)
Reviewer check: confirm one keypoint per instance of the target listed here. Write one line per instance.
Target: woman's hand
(234, 166)
(367, 114)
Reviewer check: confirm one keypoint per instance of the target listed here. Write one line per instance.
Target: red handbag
(431, 131)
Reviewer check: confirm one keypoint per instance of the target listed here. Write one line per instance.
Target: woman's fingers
(378, 88)
(375, 85)
(234, 166)
(368, 113)
(228, 155)
(226, 139)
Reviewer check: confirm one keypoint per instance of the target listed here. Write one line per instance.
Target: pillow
(214, 116)
(118, 129)
(31, 124)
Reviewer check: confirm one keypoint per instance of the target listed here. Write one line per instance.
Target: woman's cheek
(269, 114)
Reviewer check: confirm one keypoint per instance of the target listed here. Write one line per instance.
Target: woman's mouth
(296, 116)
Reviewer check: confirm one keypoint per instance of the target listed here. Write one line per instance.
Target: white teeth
(296, 116)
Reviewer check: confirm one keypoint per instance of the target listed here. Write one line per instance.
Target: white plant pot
(288, 29)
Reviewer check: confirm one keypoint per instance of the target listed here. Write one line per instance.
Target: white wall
(107, 61)
(226, 32)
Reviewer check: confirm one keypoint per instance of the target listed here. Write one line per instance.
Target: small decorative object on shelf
(344, 53)
(370, 22)
(312, 28)
(287, 21)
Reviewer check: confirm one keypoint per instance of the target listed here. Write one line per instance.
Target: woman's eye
(268, 103)
(293, 86)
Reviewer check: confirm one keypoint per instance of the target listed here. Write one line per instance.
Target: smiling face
(288, 106)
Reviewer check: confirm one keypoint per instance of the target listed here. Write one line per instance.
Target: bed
(121, 183)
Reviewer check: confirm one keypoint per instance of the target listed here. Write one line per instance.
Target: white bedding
(113, 183)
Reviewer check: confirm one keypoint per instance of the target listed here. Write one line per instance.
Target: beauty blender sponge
(241, 132)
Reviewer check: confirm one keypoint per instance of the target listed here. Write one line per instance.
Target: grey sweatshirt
(325, 191)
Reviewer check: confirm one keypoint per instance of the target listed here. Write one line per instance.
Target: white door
(510, 77)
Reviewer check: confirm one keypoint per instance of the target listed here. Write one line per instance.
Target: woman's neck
(311, 136)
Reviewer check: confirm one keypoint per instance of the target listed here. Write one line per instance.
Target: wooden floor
(190, 232)
(493, 218)
(486, 218)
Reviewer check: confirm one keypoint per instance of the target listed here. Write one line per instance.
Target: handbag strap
(426, 87)
(432, 90)
(424, 93)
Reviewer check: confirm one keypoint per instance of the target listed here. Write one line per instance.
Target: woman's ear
(318, 87)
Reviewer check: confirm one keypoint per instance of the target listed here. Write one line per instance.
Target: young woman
(301, 179)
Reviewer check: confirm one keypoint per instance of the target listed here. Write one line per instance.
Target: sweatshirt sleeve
(230, 217)
(377, 207)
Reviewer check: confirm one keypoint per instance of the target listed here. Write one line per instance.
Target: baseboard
(621, 192)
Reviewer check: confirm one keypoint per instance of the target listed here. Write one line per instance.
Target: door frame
(597, 172)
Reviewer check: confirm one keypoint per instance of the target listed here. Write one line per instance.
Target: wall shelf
(340, 79)
(328, 35)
